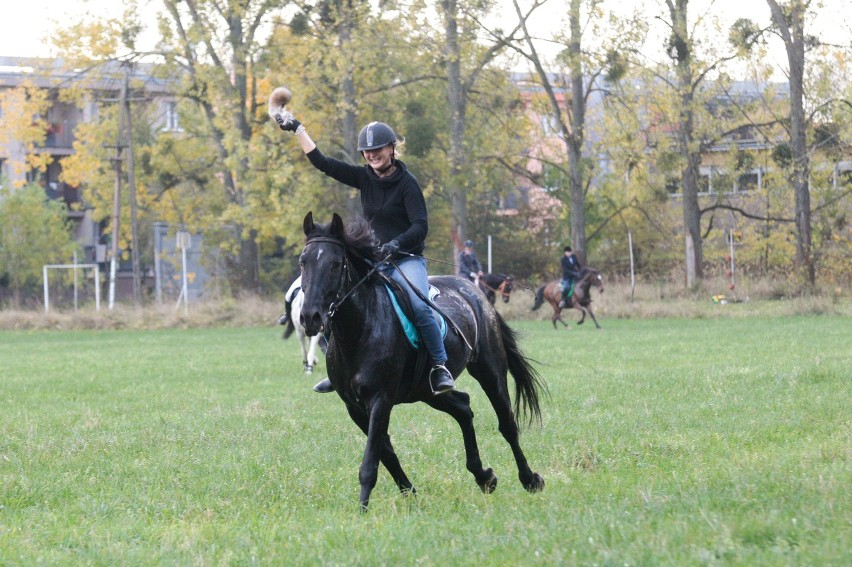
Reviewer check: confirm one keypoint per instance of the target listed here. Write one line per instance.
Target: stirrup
(324, 386)
(440, 380)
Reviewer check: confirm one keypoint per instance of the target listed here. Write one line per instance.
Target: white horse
(308, 344)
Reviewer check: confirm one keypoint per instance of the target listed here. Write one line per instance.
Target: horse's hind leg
(499, 398)
(457, 405)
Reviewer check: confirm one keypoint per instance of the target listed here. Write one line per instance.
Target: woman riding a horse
(374, 365)
(394, 204)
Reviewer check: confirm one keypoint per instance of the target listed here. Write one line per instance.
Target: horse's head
(505, 288)
(324, 271)
(596, 279)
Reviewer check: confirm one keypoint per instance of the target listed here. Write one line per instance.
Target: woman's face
(379, 159)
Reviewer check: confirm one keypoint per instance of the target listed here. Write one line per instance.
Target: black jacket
(394, 205)
(468, 263)
(570, 267)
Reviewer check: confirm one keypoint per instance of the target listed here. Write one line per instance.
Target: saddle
(402, 314)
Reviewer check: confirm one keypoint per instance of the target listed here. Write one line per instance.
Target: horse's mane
(586, 271)
(358, 237)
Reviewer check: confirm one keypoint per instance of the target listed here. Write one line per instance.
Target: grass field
(664, 442)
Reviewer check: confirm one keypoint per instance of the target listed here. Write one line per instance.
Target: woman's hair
(397, 147)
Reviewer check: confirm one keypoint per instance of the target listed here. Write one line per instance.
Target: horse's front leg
(305, 364)
(592, 314)
(312, 351)
(582, 311)
(388, 455)
(557, 316)
(377, 433)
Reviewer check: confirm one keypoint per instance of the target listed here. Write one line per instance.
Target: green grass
(664, 442)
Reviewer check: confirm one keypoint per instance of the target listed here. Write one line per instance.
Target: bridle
(342, 293)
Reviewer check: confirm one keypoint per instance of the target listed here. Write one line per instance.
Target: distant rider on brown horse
(570, 269)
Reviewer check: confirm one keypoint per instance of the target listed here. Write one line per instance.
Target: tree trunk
(575, 140)
(793, 33)
(681, 51)
(350, 126)
(456, 98)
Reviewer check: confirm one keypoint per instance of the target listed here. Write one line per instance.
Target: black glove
(388, 249)
(287, 121)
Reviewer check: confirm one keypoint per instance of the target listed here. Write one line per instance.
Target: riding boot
(440, 379)
(324, 386)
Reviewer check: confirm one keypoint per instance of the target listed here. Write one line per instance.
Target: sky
(25, 25)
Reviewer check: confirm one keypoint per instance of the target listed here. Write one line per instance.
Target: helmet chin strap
(387, 167)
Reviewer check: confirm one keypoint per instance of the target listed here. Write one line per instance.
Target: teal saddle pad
(407, 326)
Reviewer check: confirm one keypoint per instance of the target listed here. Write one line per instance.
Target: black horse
(373, 367)
(581, 299)
(492, 284)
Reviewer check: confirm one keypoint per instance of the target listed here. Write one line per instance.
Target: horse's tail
(539, 297)
(288, 330)
(528, 382)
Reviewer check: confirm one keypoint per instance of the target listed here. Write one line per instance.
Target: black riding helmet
(375, 135)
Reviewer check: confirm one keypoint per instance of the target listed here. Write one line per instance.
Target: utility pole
(131, 186)
(116, 205)
(124, 139)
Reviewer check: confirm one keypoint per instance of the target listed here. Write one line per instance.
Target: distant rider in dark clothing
(469, 266)
(570, 269)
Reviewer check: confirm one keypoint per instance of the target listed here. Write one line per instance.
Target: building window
(749, 181)
(673, 185)
(705, 181)
(171, 117)
(550, 126)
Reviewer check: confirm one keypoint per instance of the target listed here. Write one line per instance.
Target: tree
(216, 46)
(33, 232)
(23, 125)
(814, 125)
(464, 64)
(570, 118)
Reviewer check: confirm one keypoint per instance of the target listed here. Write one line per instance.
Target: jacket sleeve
(346, 173)
(415, 208)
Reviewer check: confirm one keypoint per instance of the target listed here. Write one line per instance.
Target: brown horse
(493, 284)
(581, 299)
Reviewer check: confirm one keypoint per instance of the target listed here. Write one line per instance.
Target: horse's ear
(308, 223)
(337, 226)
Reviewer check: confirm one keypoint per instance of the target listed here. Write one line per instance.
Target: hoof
(536, 484)
(489, 484)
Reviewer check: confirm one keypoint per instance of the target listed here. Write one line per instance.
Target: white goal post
(74, 267)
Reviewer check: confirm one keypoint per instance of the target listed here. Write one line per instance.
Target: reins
(338, 300)
(428, 259)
